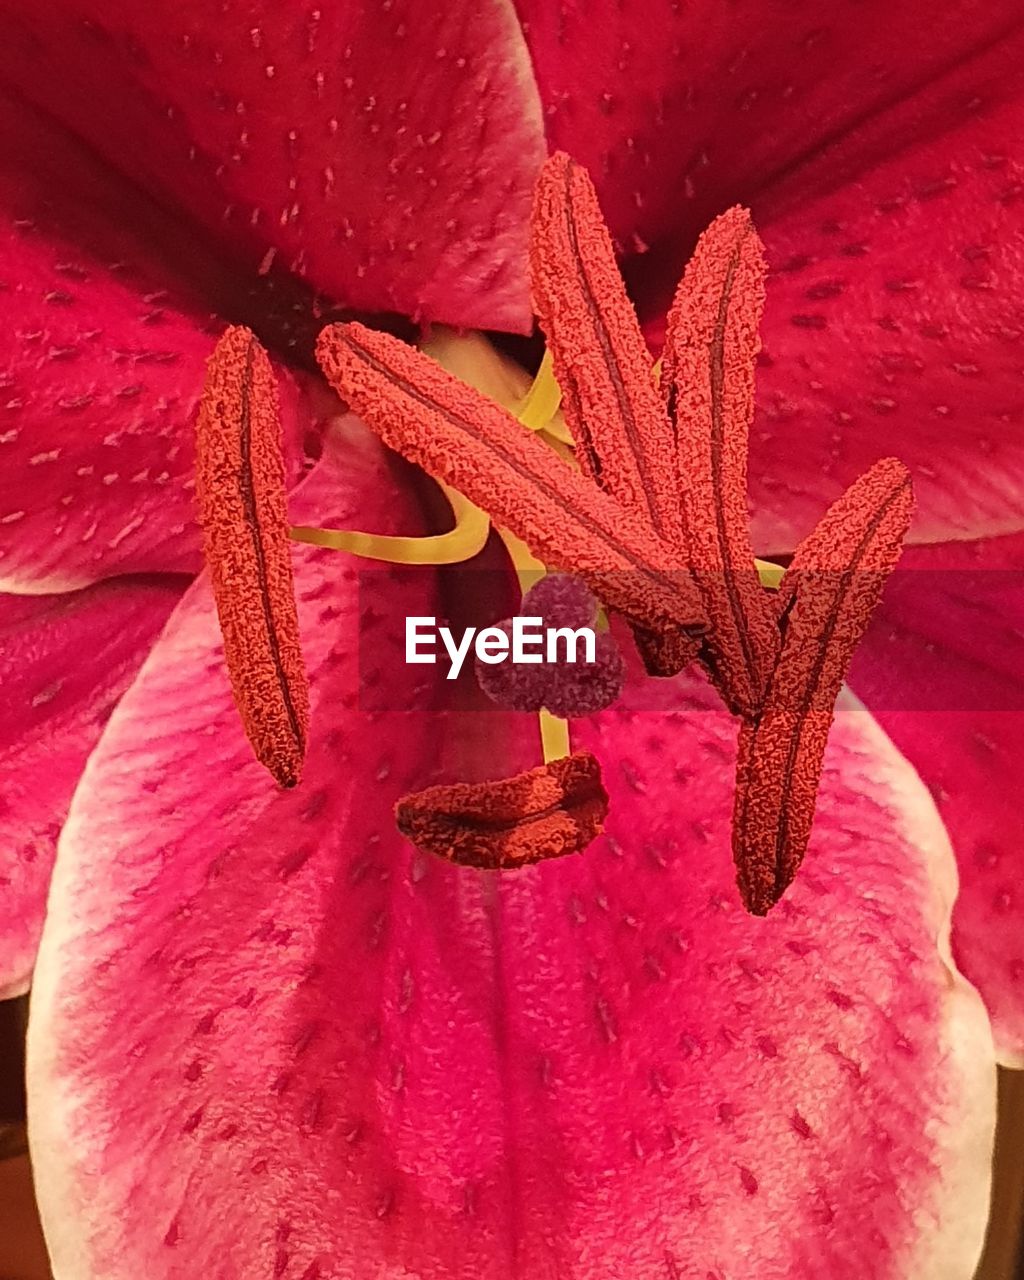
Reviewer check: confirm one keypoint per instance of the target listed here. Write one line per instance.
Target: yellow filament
(770, 574)
(475, 361)
(542, 401)
(461, 543)
(539, 408)
(554, 731)
(557, 433)
(554, 736)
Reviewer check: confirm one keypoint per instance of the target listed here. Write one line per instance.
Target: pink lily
(333, 1057)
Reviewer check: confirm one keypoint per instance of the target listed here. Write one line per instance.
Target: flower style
(339, 1054)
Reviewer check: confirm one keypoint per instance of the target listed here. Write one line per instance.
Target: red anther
(477, 447)
(623, 437)
(553, 810)
(827, 597)
(711, 346)
(242, 506)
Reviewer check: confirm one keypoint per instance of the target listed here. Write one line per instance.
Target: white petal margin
(952, 1228)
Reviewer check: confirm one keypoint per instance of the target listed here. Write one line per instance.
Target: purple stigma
(561, 600)
(566, 689)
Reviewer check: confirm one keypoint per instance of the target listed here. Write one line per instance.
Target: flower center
(640, 494)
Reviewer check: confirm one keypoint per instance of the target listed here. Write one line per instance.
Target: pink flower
(269, 1038)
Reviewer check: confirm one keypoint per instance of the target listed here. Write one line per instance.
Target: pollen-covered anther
(479, 449)
(623, 438)
(826, 600)
(242, 506)
(547, 812)
(711, 348)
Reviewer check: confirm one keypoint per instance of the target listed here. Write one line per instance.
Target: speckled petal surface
(941, 668)
(102, 356)
(894, 321)
(270, 1040)
(680, 110)
(64, 663)
(385, 152)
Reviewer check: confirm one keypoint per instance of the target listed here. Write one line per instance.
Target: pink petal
(386, 152)
(894, 321)
(102, 355)
(941, 668)
(270, 1039)
(682, 109)
(64, 663)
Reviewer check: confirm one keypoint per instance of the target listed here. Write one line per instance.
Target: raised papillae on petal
(470, 442)
(711, 347)
(548, 812)
(385, 151)
(826, 600)
(241, 493)
(65, 661)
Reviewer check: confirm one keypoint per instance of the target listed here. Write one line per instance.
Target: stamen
(481, 450)
(623, 438)
(825, 601)
(243, 510)
(616, 417)
(711, 347)
(466, 540)
(548, 812)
